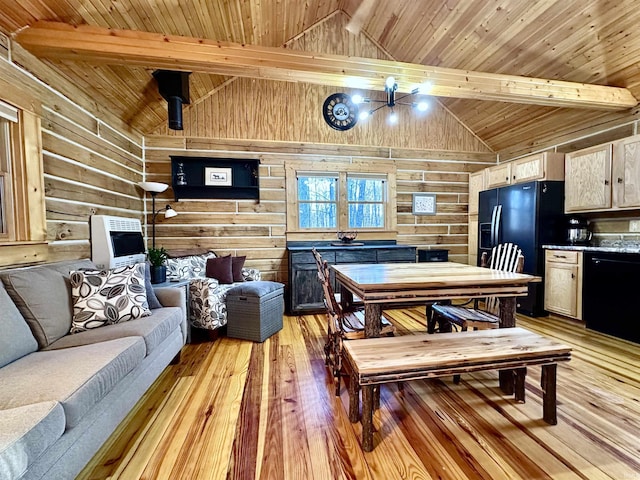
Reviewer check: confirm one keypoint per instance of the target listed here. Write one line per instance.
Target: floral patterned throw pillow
(105, 297)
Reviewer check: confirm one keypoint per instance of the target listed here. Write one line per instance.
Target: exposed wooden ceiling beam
(60, 41)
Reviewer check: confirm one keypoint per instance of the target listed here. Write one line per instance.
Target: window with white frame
(366, 198)
(8, 118)
(340, 200)
(317, 200)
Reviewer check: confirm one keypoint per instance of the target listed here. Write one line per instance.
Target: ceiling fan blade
(360, 16)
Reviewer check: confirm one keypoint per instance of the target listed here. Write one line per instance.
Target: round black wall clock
(340, 112)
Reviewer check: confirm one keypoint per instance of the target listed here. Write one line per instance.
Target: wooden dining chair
(356, 304)
(342, 325)
(506, 257)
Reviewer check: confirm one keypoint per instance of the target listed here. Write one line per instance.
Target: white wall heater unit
(116, 241)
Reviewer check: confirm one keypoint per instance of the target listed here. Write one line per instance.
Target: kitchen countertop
(632, 248)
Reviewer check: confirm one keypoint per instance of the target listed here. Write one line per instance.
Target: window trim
(293, 168)
(26, 238)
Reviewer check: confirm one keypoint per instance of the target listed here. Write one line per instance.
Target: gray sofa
(61, 394)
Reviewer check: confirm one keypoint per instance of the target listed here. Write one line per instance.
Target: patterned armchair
(207, 298)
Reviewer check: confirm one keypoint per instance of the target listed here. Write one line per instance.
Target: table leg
(372, 313)
(367, 418)
(346, 298)
(507, 311)
(548, 383)
(507, 315)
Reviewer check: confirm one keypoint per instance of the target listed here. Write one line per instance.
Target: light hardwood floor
(233, 409)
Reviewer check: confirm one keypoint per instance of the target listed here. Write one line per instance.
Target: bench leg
(520, 375)
(506, 381)
(367, 418)
(354, 401)
(548, 384)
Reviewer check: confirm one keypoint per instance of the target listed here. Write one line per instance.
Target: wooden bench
(375, 361)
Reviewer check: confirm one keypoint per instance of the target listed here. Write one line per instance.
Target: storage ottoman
(255, 310)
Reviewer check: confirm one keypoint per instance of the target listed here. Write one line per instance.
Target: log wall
(258, 229)
(90, 165)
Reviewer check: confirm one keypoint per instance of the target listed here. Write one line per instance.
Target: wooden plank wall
(258, 230)
(90, 167)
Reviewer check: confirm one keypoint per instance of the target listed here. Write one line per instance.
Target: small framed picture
(424, 204)
(217, 177)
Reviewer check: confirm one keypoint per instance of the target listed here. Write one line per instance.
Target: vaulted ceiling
(593, 42)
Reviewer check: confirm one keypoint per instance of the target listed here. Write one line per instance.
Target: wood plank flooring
(233, 409)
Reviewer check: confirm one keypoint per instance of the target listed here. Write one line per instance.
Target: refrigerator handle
(497, 225)
(493, 224)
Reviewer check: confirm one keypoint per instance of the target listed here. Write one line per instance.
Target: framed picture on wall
(424, 204)
(219, 177)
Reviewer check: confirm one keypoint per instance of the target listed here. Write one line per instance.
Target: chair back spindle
(506, 257)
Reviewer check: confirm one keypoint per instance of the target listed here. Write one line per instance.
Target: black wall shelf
(207, 177)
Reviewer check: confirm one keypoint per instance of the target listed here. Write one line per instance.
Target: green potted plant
(157, 257)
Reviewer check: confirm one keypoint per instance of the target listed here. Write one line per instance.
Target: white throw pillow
(105, 297)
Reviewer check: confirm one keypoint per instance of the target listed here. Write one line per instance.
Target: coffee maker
(578, 232)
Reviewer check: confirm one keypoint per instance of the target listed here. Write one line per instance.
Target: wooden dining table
(385, 285)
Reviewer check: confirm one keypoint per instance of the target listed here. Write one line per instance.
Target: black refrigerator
(529, 215)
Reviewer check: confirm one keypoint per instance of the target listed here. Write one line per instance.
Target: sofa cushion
(105, 297)
(25, 433)
(153, 329)
(77, 377)
(16, 339)
(152, 299)
(68, 266)
(42, 296)
(220, 269)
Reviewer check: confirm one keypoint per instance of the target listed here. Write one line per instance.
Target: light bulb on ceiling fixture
(357, 98)
(390, 82)
(426, 87)
(422, 106)
(393, 118)
(364, 114)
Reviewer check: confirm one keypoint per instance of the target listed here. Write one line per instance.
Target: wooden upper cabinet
(498, 176)
(588, 179)
(626, 173)
(476, 185)
(542, 166)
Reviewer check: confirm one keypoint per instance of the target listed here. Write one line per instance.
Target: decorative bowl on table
(347, 237)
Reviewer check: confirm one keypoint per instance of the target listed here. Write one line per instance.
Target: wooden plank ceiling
(575, 41)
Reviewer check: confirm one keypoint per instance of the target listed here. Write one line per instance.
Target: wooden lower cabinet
(305, 291)
(563, 282)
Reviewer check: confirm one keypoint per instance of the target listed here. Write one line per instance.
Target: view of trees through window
(366, 202)
(318, 201)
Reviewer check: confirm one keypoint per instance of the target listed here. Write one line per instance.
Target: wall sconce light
(154, 188)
